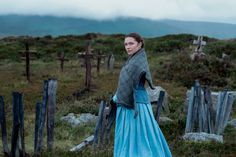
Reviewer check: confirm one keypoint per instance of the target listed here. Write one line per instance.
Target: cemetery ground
(71, 80)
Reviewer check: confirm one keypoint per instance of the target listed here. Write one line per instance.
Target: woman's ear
(140, 45)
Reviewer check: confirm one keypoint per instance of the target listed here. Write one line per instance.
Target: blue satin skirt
(140, 136)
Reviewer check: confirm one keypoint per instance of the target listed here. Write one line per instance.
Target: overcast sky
(194, 10)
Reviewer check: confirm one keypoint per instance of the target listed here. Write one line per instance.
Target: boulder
(154, 96)
(76, 120)
(165, 120)
(202, 137)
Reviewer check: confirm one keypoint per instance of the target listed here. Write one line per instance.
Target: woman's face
(131, 45)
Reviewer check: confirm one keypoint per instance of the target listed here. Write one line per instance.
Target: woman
(136, 134)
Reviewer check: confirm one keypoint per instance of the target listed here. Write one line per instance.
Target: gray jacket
(135, 68)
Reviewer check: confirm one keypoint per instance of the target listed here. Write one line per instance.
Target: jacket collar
(136, 53)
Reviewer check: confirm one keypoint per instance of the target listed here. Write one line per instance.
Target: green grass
(12, 78)
(72, 79)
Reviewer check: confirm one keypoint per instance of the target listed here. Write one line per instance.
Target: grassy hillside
(171, 68)
(43, 25)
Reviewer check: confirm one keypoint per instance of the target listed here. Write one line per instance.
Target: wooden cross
(88, 56)
(25, 55)
(200, 43)
(198, 55)
(62, 59)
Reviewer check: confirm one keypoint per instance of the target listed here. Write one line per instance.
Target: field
(171, 68)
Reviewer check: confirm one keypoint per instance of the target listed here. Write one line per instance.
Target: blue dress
(140, 136)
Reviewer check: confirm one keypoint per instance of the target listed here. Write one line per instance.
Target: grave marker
(26, 55)
(206, 115)
(110, 62)
(62, 59)
(198, 54)
(88, 56)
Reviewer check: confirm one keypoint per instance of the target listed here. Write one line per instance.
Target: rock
(233, 123)
(165, 120)
(87, 117)
(82, 119)
(71, 119)
(202, 136)
(154, 94)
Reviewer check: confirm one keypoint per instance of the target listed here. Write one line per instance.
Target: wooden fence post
(99, 122)
(224, 106)
(37, 124)
(159, 104)
(193, 116)
(49, 98)
(18, 147)
(104, 125)
(42, 117)
(190, 112)
(3, 128)
(211, 114)
(52, 87)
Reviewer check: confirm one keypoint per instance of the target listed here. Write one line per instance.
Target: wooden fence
(47, 107)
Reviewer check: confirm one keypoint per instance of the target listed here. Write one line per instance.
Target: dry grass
(104, 84)
(12, 78)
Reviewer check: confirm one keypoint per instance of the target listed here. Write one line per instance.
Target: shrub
(210, 71)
